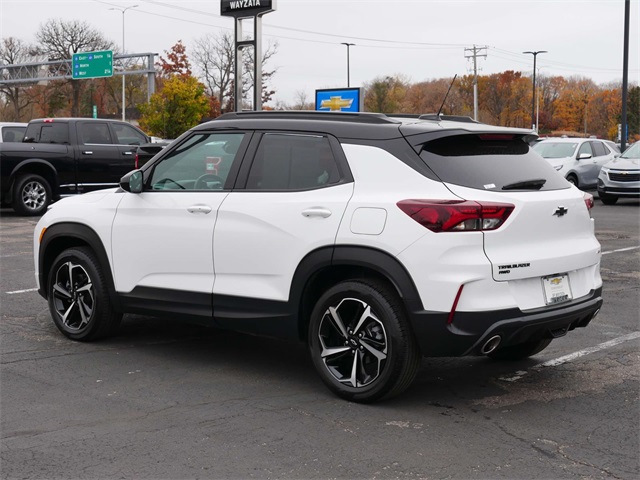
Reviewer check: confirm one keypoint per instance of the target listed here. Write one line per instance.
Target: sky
(417, 39)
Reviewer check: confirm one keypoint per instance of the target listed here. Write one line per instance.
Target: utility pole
(625, 76)
(534, 126)
(476, 52)
(348, 65)
(124, 105)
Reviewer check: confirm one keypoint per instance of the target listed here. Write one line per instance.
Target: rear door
(127, 138)
(99, 163)
(291, 202)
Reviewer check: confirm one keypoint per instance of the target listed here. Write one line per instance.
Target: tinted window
(599, 149)
(48, 133)
(555, 149)
(489, 162)
(95, 133)
(13, 134)
(202, 162)
(293, 162)
(127, 135)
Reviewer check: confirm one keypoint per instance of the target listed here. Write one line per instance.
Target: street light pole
(123, 10)
(533, 100)
(348, 75)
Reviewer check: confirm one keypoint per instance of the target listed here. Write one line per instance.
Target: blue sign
(339, 100)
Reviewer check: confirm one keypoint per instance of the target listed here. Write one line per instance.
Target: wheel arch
(37, 167)
(327, 266)
(62, 236)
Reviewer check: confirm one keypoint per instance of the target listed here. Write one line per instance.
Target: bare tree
(59, 40)
(213, 56)
(14, 51)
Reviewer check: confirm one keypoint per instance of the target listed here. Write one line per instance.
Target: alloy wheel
(73, 296)
(34, 195)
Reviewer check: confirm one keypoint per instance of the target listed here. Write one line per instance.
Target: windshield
(555, 149)
(633, 151)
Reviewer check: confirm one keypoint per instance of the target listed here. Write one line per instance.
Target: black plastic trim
(190, 306)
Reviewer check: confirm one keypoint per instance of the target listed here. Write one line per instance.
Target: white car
(620, 178)
(375, 240)
(12, 131)
(579, 160)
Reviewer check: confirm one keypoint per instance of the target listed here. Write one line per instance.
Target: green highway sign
(92, 64)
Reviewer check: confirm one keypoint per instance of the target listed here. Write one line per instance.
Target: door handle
(316, 212)
(199, 209)
(88, 152)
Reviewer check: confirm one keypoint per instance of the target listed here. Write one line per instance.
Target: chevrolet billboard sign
(246, 8)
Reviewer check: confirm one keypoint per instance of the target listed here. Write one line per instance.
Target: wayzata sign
(246, 8)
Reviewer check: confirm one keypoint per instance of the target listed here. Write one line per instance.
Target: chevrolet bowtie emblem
(336, 104)
(560, 211)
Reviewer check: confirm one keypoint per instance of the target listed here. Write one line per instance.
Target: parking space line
(620, 250)
(572, 356)
(22, 291)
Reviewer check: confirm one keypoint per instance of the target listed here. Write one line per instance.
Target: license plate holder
(557, 289)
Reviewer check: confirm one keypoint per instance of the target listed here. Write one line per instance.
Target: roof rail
(357, 117)
(453, 118)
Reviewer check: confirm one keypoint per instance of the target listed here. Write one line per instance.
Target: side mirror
(584, 156)
(132, 182)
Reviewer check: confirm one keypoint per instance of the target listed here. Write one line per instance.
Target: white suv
(376, 240)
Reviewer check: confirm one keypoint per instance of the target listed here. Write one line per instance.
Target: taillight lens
(457, 215)
(588, 200)
(136, 161)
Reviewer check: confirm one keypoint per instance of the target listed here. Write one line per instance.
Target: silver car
(620, 177)
(579, 160)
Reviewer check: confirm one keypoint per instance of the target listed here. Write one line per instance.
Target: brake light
(588, 200)
(48, 120)
(136, 164)
(457, 215)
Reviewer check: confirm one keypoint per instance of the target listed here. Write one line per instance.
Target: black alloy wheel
(361, 343)
(78, 297)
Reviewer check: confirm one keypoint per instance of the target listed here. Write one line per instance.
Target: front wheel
(573, 180)
(31, 195)
(521, 350)
(361, 343)
(78, 296)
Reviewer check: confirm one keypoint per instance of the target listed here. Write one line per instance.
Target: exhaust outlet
(490, 345)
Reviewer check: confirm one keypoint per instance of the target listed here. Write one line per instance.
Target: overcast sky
(420, 39)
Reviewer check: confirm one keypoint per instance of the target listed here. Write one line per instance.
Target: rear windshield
(47, 133)
(555, 149)
(490, 162)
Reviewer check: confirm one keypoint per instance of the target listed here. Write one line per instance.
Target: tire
(78, 296)
(31, 195)
(361, 343)
(608, 199)
(573, 180)
(521, 350)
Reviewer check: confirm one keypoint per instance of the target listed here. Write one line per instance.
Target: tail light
(588, 200)
(136, 161)
(457, 215)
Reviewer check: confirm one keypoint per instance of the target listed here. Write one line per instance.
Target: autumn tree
(15, 51)
(176, 63)
(60, 39)
(385, 94)
(179, 106)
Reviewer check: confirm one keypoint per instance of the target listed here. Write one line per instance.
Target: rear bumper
(470, 330)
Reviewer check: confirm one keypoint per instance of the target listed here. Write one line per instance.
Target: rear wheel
(78, 297)
(521, 350)
(31, 195)
(361, 343)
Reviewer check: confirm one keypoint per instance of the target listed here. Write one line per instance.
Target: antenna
(445, 97)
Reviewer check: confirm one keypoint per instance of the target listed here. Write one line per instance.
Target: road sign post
(92, 64)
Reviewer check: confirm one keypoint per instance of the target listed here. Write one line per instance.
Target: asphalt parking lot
(169, 400)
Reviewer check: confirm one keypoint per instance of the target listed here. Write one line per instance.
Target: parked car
(579, 160)
(375, 240)
(620, 178)
(65, 156)
(12, 131)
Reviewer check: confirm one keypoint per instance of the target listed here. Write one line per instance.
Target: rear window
(490, 162)
(47, 133)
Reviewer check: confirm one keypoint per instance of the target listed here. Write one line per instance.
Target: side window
(585, 148)
(127, 135)
(94, 133)
(293, 162)
(599, 149)
(53, 133)
(202, 162)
